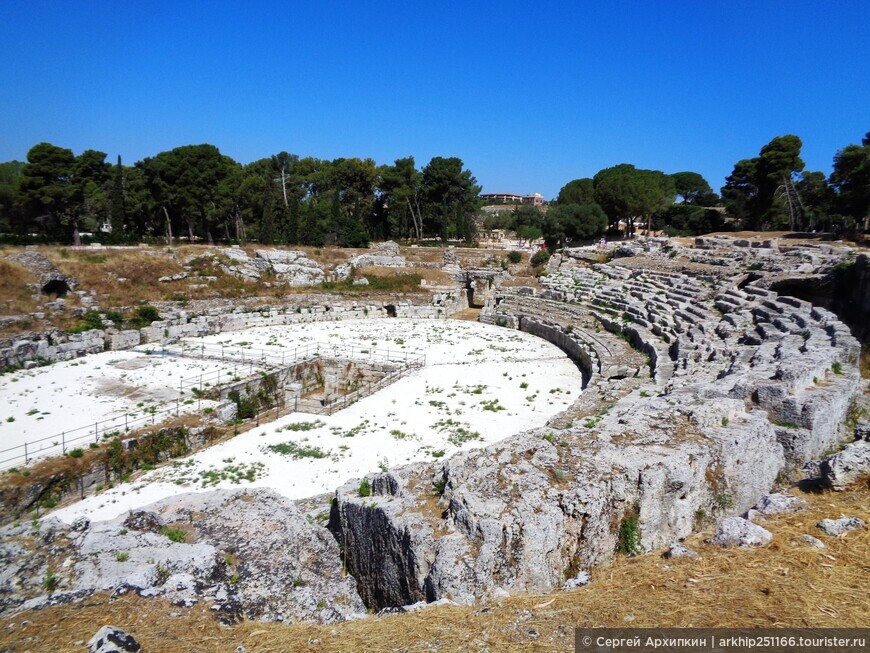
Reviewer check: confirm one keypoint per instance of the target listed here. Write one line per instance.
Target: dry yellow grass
(15, 293)
(432, 276)
(784, 584)
(422, 254)
(101, 271)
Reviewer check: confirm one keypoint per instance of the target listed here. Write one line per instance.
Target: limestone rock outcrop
(247, 553)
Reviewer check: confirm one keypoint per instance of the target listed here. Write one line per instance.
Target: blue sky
(529, 95)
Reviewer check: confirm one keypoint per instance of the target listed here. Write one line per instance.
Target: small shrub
(724, 500)
(724, 421)
(439, 485)
(438, 454)
(162, 574)
(147, 314)
(514, 256)
(87, 322)
(365, 488)
(76, 453)
(246, 407)
(175, 534)
(122, 556)
(539, 258)
(837, 367)
(49, 583)
(629, 536)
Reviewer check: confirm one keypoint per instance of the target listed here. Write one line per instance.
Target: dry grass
(785, 584)
(422, 254)
(431, 276)
(15, 293)
(101, 271)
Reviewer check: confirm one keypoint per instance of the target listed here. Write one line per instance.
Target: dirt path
(469, 314)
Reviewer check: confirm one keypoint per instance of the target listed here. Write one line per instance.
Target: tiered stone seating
(776, 352)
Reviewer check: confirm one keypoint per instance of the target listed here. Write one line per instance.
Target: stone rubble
(680, 550)
(846, 466)
(736, 531)
(813, 541)
(110, 639)
(774, 504)
(844, 524)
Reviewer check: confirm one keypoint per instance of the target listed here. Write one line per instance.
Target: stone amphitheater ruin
(703, 388)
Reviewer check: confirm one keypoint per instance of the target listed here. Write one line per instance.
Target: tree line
(772, 191)
(196, 193)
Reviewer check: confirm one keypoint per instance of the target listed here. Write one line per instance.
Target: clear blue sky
(529, 95)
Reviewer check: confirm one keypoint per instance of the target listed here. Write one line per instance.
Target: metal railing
(243, 359)
(84, 436)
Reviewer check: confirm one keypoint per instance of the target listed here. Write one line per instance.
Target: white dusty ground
(480, 384)
(70, 397)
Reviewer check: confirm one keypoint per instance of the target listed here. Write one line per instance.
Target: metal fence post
(63, 441)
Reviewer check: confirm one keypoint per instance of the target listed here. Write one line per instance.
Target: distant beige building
(535, 199)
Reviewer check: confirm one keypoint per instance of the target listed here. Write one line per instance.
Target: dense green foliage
(195, 193)
(688, 220)
(773, 191)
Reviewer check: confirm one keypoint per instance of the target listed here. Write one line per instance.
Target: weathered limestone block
(125, 340)
(736, 531)
(847, 466)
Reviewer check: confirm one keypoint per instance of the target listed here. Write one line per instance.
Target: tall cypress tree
(267, 222)
(291, 224)
(118, 209)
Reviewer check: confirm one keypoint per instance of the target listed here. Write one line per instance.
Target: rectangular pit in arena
(317, 378)
(327, 385)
